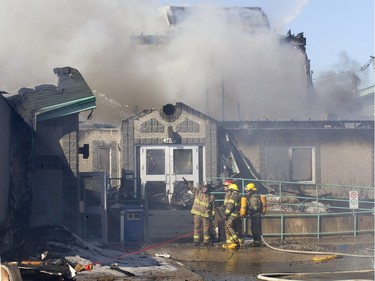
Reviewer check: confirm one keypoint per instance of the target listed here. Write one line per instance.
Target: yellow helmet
(250, 186)
(233, 187)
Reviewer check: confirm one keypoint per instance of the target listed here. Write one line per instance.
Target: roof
(71, 95)
(366, 99)
(251, 17)
(366, 91)
(170, 112)
(311, 124)
(247, 19)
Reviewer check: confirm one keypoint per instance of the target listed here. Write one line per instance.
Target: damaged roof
(71, 95)
(248, 19)
(253, 17)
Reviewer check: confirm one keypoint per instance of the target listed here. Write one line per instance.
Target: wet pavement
(303, 259)
(329, 258)
(248, 263)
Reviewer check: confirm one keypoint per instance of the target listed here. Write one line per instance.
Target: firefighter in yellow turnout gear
(255, 211)
(232, 216)
(204, 212)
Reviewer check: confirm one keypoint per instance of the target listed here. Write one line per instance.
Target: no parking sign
(353, 200)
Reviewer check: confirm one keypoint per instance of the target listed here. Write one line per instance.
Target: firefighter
(221, 233)
(232, 215)
(226, 184)
(254, 211)
(203, 211)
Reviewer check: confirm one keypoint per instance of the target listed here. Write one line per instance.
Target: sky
(209, 62)
(339, 33)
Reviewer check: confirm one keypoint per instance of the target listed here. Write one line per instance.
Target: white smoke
(259, 77)
(295, 11)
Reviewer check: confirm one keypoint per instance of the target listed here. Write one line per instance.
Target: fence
(295, 209)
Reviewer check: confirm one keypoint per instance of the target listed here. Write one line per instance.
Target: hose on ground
(314, 253)
(283, 276)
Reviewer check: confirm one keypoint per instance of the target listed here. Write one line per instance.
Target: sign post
(353, 204)
(353, 200)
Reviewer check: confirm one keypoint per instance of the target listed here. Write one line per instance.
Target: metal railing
(317, 205)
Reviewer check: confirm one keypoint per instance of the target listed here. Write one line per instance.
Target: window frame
(290, 162)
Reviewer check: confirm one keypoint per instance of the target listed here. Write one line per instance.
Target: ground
(183, 261)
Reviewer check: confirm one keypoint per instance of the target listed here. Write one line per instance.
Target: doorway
(163, 170)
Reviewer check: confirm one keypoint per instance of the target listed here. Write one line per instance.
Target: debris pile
(44, 251)
(54, 253)
(56, 240)
(292, 204)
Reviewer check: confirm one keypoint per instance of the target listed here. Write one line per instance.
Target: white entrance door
(162, 171)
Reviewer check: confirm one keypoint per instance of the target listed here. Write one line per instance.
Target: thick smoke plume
(206, 62)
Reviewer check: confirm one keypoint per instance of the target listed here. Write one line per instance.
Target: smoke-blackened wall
(5, 148)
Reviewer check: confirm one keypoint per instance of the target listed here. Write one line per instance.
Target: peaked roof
(71, 95)
(171, 112)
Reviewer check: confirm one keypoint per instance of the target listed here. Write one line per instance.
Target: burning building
(88, 178)
(162, 146)
(222, 60)
(159, 146)
(40, 184)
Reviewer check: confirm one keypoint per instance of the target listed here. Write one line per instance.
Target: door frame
(169, 177)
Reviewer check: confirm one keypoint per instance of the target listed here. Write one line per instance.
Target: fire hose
(314, 253)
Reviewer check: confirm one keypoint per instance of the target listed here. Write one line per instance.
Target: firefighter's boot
(230, 246)
(240, 242)
(256, 244)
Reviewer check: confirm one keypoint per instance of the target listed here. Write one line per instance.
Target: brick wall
(347, 158)
(342, 156)
(101, 138)
(151, 128)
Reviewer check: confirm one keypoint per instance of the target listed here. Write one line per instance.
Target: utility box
(132, 223)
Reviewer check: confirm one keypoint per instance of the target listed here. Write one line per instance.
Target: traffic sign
(353, 199)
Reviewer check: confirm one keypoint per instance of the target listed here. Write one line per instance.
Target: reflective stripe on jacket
(232, 204)
(204, 204)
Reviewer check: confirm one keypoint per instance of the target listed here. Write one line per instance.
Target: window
(183, 161)
(155, 164)
(290, 163)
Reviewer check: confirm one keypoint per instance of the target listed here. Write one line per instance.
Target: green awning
(66, 109)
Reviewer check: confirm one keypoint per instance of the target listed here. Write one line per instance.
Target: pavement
(310, 258)
(327, 258)
(134, 263)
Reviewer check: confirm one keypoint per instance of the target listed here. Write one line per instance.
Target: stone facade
(153, 127)
(98, 139)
